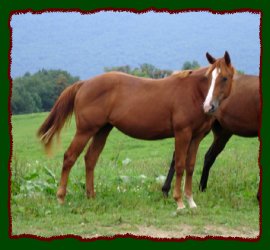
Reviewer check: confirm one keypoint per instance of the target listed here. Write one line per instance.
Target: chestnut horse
(141, 108)
(238, 115)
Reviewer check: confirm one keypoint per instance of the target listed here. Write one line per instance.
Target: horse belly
(143, 129)
(239, 127)
(243, 123)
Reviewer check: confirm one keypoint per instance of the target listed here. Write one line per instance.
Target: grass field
(128, 180)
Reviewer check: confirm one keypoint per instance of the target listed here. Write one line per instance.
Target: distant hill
(85, 44)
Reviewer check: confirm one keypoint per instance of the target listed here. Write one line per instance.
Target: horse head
(220, 76)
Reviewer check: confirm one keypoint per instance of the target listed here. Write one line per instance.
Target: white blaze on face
(208, 99)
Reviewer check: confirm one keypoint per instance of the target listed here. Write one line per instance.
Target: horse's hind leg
(92, 155)
(167, 184)
(221, 137)
(77, 145)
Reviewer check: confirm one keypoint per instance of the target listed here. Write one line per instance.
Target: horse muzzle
(211, 108)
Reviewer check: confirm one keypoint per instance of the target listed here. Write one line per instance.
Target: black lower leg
(167, 184)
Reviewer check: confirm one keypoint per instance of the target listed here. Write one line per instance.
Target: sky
(85, 44)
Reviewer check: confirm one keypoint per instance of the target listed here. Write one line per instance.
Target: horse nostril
(212, 108)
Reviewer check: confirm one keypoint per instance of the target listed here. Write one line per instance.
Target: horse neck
(201, 87)
(201, 84)
(197, 82)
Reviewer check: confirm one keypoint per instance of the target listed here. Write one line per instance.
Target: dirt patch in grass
(183, 231)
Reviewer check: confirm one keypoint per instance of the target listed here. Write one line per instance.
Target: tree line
(144, 70)
(38, 92)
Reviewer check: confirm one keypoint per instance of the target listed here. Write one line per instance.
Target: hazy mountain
(85, 44)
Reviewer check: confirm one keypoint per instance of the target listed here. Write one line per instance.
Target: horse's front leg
(190, 163)
(182, 141)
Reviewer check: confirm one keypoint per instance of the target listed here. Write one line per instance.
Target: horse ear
(227, 58)
(210, 59)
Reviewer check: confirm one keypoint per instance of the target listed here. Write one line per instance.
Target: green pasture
(128, 181)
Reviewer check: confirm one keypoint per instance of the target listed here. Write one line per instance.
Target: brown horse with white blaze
(238, 115)
(141, 108)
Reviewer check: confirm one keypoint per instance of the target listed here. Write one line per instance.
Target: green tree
(190, 65)
(241, 72)
(144, 70)
(125, 69)
(38, 92)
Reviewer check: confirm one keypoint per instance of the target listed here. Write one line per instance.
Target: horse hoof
(191, 202)
(193, 206)
(180, 208)
(202, 188)
(165, 194)
(61, 201)
(61, 193)
(91, 195)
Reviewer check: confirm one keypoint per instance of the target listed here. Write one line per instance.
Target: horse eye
(224, 79)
